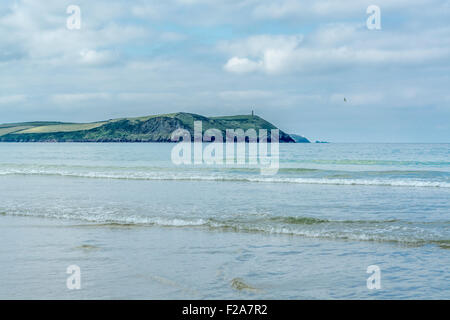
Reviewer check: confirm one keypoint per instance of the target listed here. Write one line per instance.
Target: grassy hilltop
(157, 128)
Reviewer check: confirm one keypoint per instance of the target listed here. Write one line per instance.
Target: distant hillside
(157, 128)
(299, 139)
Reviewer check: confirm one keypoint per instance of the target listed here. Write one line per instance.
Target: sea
(337, 221)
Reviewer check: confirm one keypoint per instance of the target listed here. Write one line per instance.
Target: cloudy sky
(292, 61)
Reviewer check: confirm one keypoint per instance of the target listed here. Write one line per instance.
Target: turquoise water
(140, 227)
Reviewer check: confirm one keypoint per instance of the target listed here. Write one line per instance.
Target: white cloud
(141, 57)
(12, 99)
(71, 98)
(92, 57)
(334, 34)
(270, 53)
(313, 9)
(255, 45)
(331, 47)
(150, 11)
(237, 95)
(36, 30)
(242, 65)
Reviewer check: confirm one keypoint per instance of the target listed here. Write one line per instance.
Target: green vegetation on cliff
(157, 128)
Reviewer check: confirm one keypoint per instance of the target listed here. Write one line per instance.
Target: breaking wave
(367, 178)
(394, 231)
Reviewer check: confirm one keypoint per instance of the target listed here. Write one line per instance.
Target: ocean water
(140, 227)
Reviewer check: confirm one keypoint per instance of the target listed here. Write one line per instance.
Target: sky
(291, 61)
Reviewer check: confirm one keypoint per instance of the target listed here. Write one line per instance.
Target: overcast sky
(292, 61)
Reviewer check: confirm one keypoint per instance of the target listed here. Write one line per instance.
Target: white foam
(139, 175)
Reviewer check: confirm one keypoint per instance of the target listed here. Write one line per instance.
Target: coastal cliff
(157, 128)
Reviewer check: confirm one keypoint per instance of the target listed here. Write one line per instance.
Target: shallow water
(140, 227)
